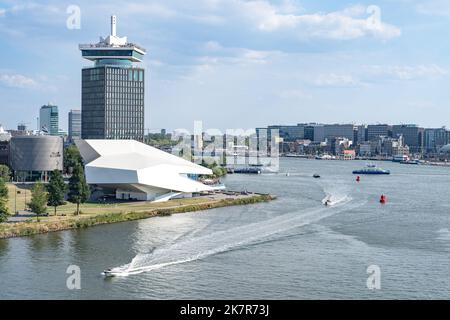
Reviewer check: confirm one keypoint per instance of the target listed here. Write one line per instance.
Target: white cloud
(408, 72)
(294, 94)
(153, 9)
(255, 56)
(434, 7)
(31, 6)
(213, 46)
(336, 80)
(350, 23)
(261, 15)
(233, 56)
(17, 81)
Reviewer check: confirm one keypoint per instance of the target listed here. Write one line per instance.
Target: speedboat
(315, 175)
(327, 201)
(371, 169)
(108, 273)
(114, 272)
(415, 161)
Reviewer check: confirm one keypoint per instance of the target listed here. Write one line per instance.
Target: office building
(332, 131)
(435, 139)
(112, 93)
(49, 119)
(290, 133)
(360, 134)
(5, 138)
(315, 132)
(412, 136)
(74, 125)
(21, 127)
(374, 131)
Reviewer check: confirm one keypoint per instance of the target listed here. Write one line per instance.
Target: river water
(290, 248)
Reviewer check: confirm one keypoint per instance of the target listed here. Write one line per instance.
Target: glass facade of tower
(112, 90)
(113, 103)
(49, 119)
(74, 124)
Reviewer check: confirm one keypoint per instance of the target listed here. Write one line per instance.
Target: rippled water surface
(291, 248)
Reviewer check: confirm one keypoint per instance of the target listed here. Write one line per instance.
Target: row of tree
(4, 212)
(54, 194)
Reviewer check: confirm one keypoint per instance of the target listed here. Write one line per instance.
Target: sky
(239, 63)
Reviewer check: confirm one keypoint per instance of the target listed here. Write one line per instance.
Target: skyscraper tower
(74, 125)
(49, 119)
(112, 91)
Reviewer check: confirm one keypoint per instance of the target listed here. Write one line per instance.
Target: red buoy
(358, 179)
(383, 199)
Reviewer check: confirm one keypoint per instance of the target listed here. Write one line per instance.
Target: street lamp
(15, 199)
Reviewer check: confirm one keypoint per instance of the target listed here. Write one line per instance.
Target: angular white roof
(131, 162)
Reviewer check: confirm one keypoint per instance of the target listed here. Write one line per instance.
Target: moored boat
(371, 169)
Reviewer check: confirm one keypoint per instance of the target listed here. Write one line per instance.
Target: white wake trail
(221, 241)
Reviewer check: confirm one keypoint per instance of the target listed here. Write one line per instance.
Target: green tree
(78, 188)
(4, 213)
(3, 190)
(71, 158)
(5, 173)
(56, 189)
(38, 202)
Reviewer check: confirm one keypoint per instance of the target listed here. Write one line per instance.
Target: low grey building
(34, 157)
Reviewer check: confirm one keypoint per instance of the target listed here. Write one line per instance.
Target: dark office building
(374, 131)
(112, 102)
(21, 127)
(413, 136)
(435, 139)
(74, 124)
(332, 131)
(290, 133)
(4, 152)
(315, 132)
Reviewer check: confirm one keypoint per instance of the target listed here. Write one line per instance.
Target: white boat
(400, 158)
(371, 169)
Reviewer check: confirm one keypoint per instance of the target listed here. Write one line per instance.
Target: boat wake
(199, 247)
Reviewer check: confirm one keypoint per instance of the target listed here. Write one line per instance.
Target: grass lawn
(24, 195)
(99, 213)
(18, 200)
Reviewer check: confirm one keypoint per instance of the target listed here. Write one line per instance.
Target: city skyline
(202, 68)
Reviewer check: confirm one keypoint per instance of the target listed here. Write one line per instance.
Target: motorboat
(109, 273)
(327, 201)
(371, 169)
(114, 272)
(316, 176)
(415, 161)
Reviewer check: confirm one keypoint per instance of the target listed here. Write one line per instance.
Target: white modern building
(137, 171)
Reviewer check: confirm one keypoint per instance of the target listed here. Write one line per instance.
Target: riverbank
(94, 214)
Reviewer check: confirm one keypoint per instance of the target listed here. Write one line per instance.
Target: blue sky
(238, 63)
